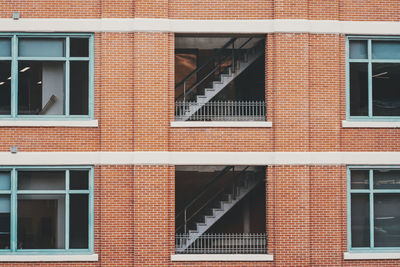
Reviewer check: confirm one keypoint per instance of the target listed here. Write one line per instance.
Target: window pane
(5, 221)
(387, 220)
(358, 89)
(79, 88)
(385, 50)
(78, 180)
(387, 179)
(79, 221)
(5, 182)
(41, 88)
(41, 180)
(360, 220)
(358, 50)
(5, 87)
(5, 47)
(360, 179)
(386, 89)
(79, 47)
(41, 47)
(41, 221)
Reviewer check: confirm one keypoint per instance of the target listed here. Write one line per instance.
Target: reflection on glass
(358, 49)
(41, 47)
(387, 179)
(79, 221)
(387, 220)
(358, 89)
(5, 47)
(359, 179)
(79, 47)
(385, 49)
(41, 221)
(78, 180)
(79, 88)
(386, 89)
(5, 221)
(41, 180)
(360, 220)
(41, 88)
(5, 87)
(5, 182)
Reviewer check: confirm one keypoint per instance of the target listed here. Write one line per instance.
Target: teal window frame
(13, 193)
(371, 191)
(14, 58)
(369, 60)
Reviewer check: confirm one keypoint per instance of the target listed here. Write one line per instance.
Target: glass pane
(5, 47)
(41, 47)
(41, 180)
(41, 88)
(387, 220)
(78, 180)
(41, 221)
(386, 89)
(360, 179)
(79, 221)
(79, 88)
(5, 182)
(5, 87)
(360, 220)
(358, 50)
(79, 47)
(358, 89)
(385, 50)
(387, 179)
(5, 221)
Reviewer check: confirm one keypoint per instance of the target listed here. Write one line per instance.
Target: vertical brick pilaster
(151, 9)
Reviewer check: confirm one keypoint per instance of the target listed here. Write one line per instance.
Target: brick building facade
(313, 151)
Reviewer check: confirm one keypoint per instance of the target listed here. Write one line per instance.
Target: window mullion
(371, 209)
(67, 79)
(91, 210)
(370, 113)
(14, 76)
(67, 209)
(13, 213)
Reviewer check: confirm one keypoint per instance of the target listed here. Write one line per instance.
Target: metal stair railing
(218, 60)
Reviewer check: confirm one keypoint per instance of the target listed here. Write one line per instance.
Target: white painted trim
(371, 124)
(61, 257)
(371, 256)
(222, 257)
(200, 158)
(48, 123)
(200, 26)
(232, 124)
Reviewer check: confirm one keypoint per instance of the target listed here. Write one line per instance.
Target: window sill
(371, 256)
(222, 257)
(49, 123)
(371, 124)
(233, 124)
(37, 258)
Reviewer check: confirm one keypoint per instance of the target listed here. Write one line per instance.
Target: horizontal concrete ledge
(231, 124)
(49, 123)
(36, 258)
(199, 158)
(200, 26)
(370, 124)
(371, 256)
(222, 257)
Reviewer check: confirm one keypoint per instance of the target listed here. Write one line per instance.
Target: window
(46, 76)
(373, 78)
(46, 210)
(374, 213)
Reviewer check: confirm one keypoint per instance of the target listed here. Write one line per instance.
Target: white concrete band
(222, 257)
(223, 124)
(371, 256)
(47, 258)
(41, 123)
(200, 26)
(370, 124)
(200, 158)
